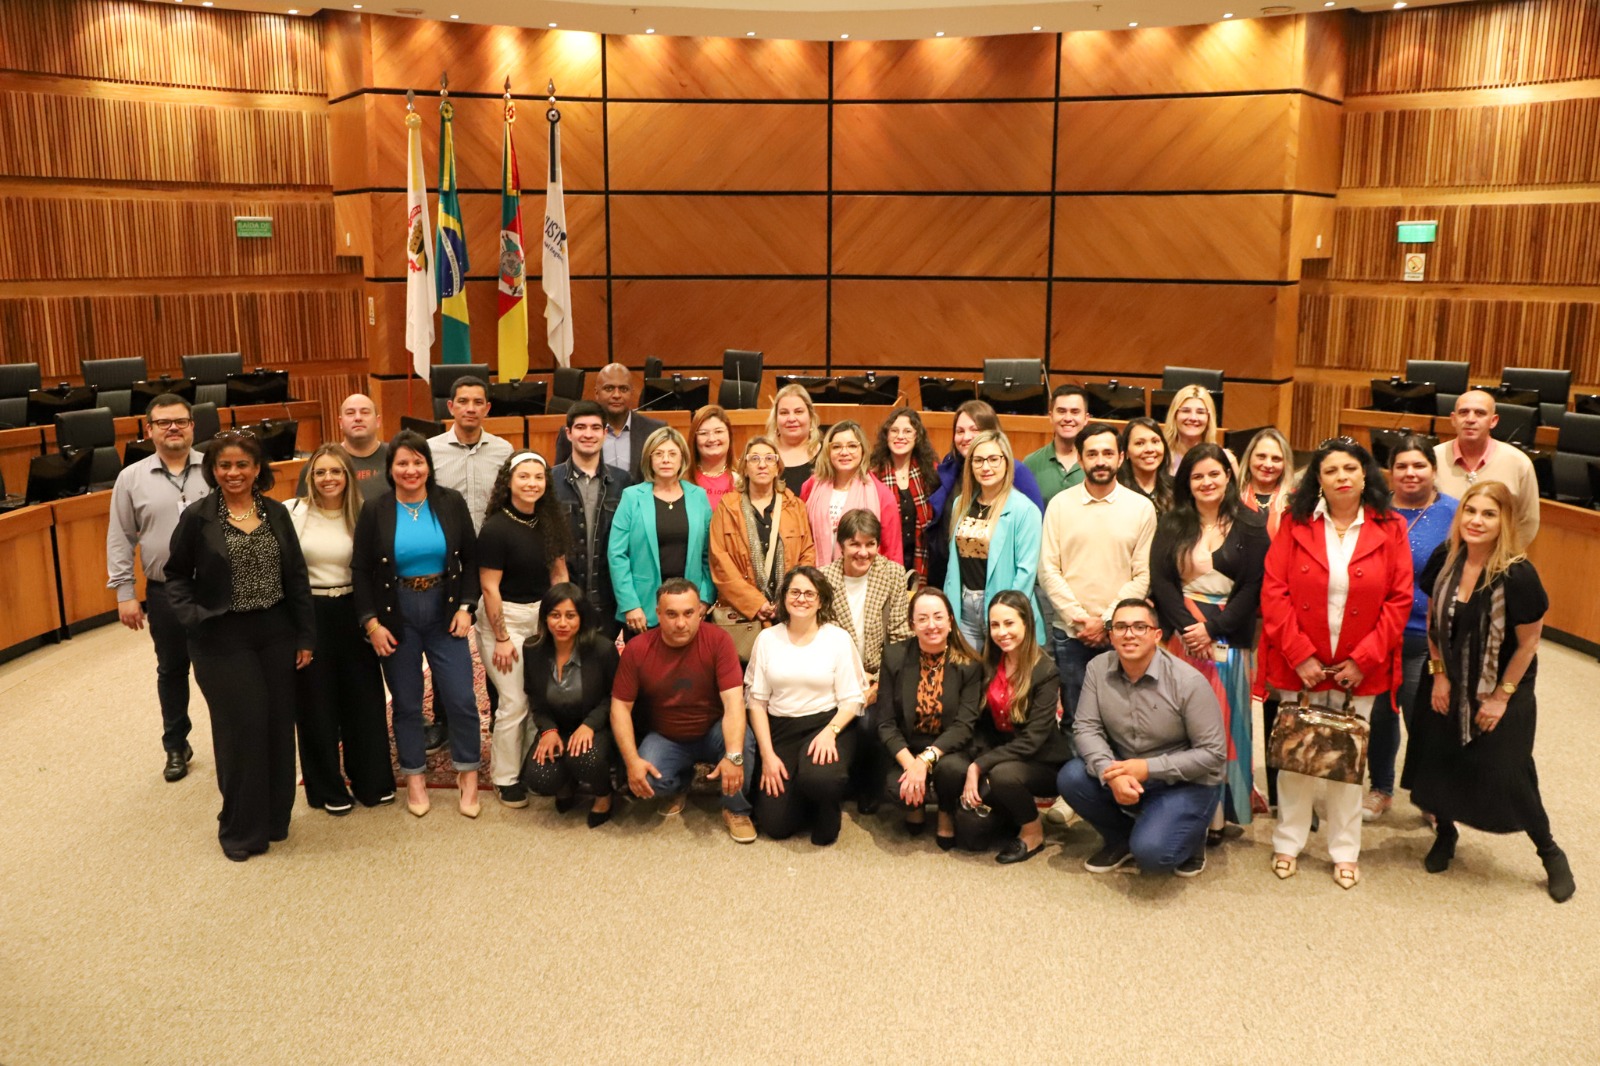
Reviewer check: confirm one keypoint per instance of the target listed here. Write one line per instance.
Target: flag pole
(413, 120)
(553, 115)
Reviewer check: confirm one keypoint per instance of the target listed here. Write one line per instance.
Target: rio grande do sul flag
(513, 263)
(557, 277)
(450, 250)
(421, 298)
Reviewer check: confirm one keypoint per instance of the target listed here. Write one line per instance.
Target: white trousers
(1299, 796)
(510, 741)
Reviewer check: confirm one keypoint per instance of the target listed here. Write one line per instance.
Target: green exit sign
(1416, 232)
(252, 225)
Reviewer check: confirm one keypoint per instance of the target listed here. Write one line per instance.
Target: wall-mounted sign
(1416, 232)
(252, 225)
(1415, 266)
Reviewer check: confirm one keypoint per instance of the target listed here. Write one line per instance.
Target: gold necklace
(414, 512)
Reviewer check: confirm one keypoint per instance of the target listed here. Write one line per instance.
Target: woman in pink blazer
(1334, 604)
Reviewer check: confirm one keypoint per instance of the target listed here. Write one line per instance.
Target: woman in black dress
(1471, 761)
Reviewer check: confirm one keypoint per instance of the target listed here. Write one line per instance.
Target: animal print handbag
(1318, 741)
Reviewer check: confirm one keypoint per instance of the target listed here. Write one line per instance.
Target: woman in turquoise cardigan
(661, 530)
(994, 539)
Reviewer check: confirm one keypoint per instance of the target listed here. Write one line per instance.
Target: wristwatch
(735, 757)
(834, 729)
(929, 755)
(1508, 688)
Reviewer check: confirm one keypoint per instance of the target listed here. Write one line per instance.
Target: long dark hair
(923, 457)
(1162, 496)
(589, 634)
(1028, 655)
(1183, 519)
(818, 582)
(1375, 494)
(547, 516)
(416, 442)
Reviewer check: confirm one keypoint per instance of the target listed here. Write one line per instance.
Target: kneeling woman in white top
(805, 699)
(339, 699)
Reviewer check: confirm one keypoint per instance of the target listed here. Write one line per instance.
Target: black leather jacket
(591, 575)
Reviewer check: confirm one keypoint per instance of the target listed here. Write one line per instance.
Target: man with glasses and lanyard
(145, 504)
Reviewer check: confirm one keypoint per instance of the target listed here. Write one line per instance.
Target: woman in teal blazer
(661, 530)
(994, 539)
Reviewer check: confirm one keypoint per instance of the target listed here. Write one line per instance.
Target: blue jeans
(1385, 743)
(972, 623)
(425, 630)
(1165, 827)
(676, 758)
(1072, 660)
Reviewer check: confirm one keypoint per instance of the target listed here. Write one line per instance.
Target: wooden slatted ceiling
(1481, 45)
(1519, 244)
(1546, 143)
(162, 44)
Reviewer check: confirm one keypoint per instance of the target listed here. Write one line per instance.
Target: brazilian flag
(450, 250)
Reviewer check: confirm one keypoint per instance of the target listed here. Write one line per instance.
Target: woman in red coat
(1334, 604)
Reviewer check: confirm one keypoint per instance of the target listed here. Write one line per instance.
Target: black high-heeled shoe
(1443, 850)
(916, 829)
(565, 803)
(945, 843)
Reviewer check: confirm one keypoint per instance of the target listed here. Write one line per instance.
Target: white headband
(522, 457)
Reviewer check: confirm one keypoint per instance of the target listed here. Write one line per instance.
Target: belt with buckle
(340, 590)
(423, 583)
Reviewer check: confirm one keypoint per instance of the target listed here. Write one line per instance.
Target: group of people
(825, 618)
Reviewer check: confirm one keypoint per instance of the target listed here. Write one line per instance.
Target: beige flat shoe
(1285, 866)
(1346, 875)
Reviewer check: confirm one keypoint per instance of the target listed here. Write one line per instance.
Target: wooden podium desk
(18, 448)
(1358, 423)
(28, 561)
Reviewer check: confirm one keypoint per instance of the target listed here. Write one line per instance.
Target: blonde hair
(352, 497)
(822, 469)
(813, 435)
(1169, 428)
(653, 443)
(1508, 546)
(742, 483)
(969, 481)
(701, 417)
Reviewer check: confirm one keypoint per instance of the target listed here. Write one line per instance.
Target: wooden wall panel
(953, 324)
(949, 236)
(346, 52)
(47, 135)
(1458, 46)
(1239, 55)
(163, 44)
(988, 147)
(1316, 409)
(714, 68)
(1210, 143)
(476, 129)
(384, 215)
(1318, 145)
(1232, 238)
(1545, 143)
(1526, 244)
(412, 53)
(958, 68)
(146, 237)
(719, 234)
(1322, 54)
(28, 559)
(1131, 328)
(1379, 333)
(691, 322)
(719, 147)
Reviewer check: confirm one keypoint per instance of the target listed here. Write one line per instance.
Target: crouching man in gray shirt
(1152, 750)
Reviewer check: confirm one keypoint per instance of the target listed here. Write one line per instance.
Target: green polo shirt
(1053, 477)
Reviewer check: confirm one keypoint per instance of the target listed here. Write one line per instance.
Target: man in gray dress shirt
(1151, 749)
(466, 457)
(145, 504)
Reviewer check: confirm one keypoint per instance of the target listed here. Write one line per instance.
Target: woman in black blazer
(1017, 747)
(929, 689)
(567, 671)
(415, 568)
(236, 580)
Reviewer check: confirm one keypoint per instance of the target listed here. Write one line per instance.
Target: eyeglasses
(1331, 441)
(844, 446)
(761, 460)
(988, 460)
(1138, 629)
(171, 423)
(802, 595)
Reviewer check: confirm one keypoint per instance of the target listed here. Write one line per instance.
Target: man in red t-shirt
(688, 677)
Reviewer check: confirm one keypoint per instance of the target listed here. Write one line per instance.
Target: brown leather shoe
(740, 827)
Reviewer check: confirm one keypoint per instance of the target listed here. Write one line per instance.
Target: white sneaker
(1061, 814)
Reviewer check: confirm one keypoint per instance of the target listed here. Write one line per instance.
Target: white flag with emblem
(556, 274)
(422, 299)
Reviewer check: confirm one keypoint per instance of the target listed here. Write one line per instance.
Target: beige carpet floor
(126, 937)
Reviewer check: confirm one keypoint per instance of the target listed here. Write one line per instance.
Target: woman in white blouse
(339, 702)
(805, 697)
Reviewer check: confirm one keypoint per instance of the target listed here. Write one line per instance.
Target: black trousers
(589, 774)
(891, 782)
(245, 666)
(1269, 715)
(1009, 788)
(812, 792)
(172, 666)
(339, 701)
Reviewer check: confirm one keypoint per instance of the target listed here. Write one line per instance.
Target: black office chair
(1577, 447)
(442, 375)
(820, 389)
(1517, 424)
(676, 393)
(16, 381)
(277, 437)
(112, 380)
(741, 380)
(1174, 378)
(210, 373)
(566, 389)
(136, 450)
(207, 423)
(1404, 397)
(1015, 386)
(59, 475)
(92, 430)
(1553, 387)
(1114, 400)
(946, 394)
(143, 392)
(654, 367)
(1449, 377)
